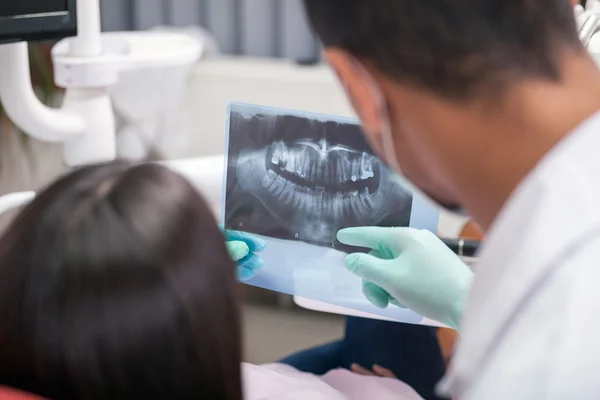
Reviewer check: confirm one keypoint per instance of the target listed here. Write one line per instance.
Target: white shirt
(531, 327)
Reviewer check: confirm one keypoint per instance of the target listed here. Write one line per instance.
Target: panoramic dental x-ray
(296, 179)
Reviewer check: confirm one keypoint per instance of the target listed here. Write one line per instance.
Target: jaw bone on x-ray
(311, 178)
(296, 179)
(315, 188)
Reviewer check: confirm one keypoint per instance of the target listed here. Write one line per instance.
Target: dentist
(491, 106)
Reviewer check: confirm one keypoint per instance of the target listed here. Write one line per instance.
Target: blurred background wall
(264, 28)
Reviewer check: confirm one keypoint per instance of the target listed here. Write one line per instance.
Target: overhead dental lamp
(86, 63)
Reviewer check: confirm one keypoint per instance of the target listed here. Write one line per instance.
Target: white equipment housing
(86, 66)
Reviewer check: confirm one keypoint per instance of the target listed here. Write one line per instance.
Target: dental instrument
(463, 247)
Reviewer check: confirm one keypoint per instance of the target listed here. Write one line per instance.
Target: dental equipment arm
(85, 123)
(24, 108)
(86, 66)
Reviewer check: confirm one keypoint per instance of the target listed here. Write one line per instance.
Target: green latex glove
(242, 248)
(237, 250)
(409, 268)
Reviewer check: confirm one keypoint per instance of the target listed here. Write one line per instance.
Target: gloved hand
(409, 268)
(242, 248)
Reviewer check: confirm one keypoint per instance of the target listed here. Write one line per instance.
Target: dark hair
(453, 48)
(115, 283)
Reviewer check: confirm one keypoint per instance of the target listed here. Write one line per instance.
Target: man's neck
(534, 118)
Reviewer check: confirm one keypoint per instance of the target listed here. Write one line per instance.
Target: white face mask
(389, 149)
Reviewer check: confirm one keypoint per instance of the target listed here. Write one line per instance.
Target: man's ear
(358, 88)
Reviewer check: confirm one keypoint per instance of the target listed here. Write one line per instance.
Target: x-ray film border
(423, 214)
(226, 162)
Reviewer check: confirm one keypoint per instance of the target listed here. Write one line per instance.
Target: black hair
(115, 283)
(453, 48)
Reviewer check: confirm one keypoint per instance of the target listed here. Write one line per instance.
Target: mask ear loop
(13, 200)
(388, 147)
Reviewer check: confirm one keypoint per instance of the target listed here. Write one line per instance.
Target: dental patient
(115, 283)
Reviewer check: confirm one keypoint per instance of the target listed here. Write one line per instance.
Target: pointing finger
(374, 237)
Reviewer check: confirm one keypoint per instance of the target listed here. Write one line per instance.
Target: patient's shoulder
(357, 386)
(282, 382)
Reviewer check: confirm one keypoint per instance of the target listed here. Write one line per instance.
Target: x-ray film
(295, 179)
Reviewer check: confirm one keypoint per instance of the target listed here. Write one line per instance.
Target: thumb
(368, 267)
(237, 250)
(255, 244)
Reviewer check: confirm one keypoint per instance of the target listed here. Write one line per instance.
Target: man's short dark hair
(451, 47)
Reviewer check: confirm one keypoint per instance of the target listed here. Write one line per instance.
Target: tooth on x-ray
(306, 175)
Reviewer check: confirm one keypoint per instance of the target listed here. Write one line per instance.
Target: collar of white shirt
(549, 215)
